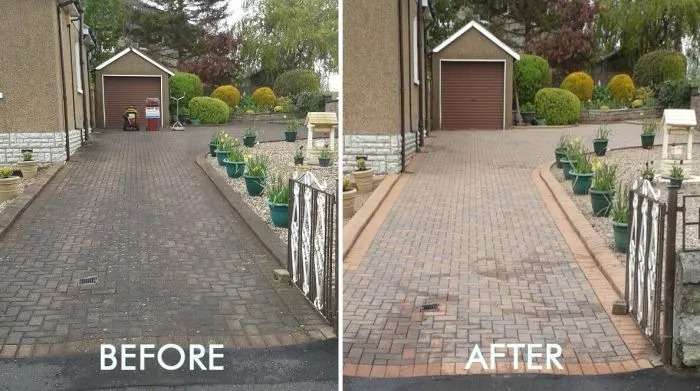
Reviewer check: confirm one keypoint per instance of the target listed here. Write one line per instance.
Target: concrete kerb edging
(269, 239)
(22, 202)
(604, 257)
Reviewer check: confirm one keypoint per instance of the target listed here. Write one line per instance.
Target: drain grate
(430, 307)
(91, 280)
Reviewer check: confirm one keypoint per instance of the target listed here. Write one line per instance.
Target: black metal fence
(312, 259)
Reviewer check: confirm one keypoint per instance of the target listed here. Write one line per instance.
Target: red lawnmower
(131, 116)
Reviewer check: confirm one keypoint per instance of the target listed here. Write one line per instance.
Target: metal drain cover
(430, 307)
(91, 280)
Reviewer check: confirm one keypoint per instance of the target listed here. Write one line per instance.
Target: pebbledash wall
(383, 151)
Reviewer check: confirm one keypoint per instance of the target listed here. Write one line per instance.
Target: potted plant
(527, 111)
(28, 166)
(195, 121)
(250, 134)
(676, 174)
(600, 142)
(255, 172)
(583, 173)
(235, 162)
(539, 121)
(648, 133)
(278, 201)
(324, 157)
(299, 157)
(619, 219)
(573, 149)
(8, 183)
(603, 189)
(648, 172)
(290, 135)
(349, 195)
(364, 177)
(214, 142)
(560, 150)
(223, 148)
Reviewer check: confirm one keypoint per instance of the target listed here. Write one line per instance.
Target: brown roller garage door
(120, 92)
(471, 95)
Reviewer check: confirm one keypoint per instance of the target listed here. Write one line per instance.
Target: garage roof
(484, 32)
(145, 57)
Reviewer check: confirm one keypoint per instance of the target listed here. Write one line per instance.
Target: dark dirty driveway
(174, 261)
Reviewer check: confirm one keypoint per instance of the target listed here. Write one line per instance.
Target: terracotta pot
(364, 180)
(28, 168)
(8, 188)
(349, 203)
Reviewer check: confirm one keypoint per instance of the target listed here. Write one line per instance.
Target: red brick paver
(471, 232)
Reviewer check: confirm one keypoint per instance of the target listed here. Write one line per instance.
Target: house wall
(131, 64)
(372, 85)
(472, 45)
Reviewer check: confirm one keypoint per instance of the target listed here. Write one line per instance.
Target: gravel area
(630, 162)
(280, 155)
(23, 185)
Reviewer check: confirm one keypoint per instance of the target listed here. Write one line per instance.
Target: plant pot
(254, 184)
(220, 156)
(212, 149)
(234, 169)
(621, 239)
(558, 154)
(528, 116)
(600, 147)
(28, 168)
(675, 182)
(539, 122)
(8, 188)
(324, 162)
(279, 213)
(648, 141)
(582, 182)
(566, 168)
(290, 137)
(249, 141)
(349, 203)
(364, 181)
(298, 161)
(184, 118)
(601, 202)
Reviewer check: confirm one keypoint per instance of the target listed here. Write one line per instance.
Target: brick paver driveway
(471, 232)
(174, 261)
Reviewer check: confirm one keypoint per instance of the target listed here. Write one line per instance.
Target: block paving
(469, 230)
(174, 262)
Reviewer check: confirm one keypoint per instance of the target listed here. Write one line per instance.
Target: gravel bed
(23, 185)
(630, 162)
(280, 155)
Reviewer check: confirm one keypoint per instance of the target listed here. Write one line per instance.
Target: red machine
(152, 114)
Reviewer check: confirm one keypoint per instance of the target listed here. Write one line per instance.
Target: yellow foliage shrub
(622, 87)
(581, 84)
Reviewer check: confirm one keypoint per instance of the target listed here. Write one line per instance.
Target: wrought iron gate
(312, 246)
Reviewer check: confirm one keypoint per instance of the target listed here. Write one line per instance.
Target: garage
(472, 81)
(130, 78)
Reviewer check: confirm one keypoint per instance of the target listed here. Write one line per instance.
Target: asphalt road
(310, 367)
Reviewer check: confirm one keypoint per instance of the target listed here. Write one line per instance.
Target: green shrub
(294, 82)
(557, 106)
(581, 84)
(622, 87)
(531, 74)
(309, 101)
(187, 84)
(209, 110)
(656, 67)
(601, 96)
(246, 103)
(637, 103)
(674, 94)
(229, 94)
(264, 97)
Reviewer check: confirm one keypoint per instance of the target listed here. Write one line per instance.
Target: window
(78, 70)
(416, 72)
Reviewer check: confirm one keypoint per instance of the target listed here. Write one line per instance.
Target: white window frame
(416, 72)
(78, 70)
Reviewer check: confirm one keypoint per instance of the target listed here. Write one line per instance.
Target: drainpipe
(72, 73)
(401, 89)
(84, 79)
(420, 36)
(63, 76)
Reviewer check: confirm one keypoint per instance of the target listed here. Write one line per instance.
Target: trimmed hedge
(209, 110)
(229, 94)
(580, 83)
(187, 84)
(531, 74)
(622, 87)
(294, 82)
(674, 94)
(309, 101)
(264, 97)
(656, 67)
(557, 106)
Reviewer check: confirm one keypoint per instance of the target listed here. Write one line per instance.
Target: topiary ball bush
(656, 67)
(309, 101)
(580, 83)
(557, 106)
(532, 73)
(294, 82)
(674, 94)
(622, 87)
(209, 110)
(229, 94)
(187, 84)
(264, 97)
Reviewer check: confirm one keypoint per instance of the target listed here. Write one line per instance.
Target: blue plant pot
(566, 168)
(220, 156)
(279, 213)
(234, 169)
(254, 185)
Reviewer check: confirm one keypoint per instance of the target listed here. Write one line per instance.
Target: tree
(106, 19)
(279, 35)
(217, 65)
